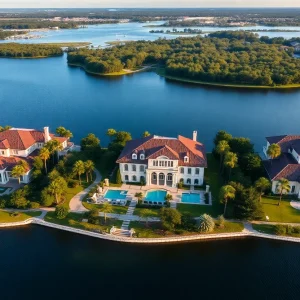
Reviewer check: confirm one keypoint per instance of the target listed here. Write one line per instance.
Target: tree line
(223, 57)
(15, 50)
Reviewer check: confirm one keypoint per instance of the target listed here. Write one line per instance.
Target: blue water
(190, 198)
(115, 194)
(157, 195)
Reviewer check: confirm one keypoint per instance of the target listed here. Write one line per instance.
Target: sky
(145, 3)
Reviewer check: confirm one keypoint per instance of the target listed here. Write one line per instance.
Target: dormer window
(142, 156)
(186, 159)
(134, 156)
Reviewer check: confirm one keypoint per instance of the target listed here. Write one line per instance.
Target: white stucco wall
(292, 183)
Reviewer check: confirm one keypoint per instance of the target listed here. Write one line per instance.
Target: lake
(44, 263)
(40, 92)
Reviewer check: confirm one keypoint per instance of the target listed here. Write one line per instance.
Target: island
(225, 58)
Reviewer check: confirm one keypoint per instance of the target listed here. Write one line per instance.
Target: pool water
(115, 194)
(190, 198)
(157, 196)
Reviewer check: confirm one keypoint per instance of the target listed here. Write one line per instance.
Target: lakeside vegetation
(6, 34)
(225, 58)
(14, 50)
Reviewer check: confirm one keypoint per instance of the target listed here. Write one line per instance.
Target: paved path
(131, 208)
(76, 201)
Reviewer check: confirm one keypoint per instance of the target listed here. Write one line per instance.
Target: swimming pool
(115, 194)
(190, 198)
(156, 196)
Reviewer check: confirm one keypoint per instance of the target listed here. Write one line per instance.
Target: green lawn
(7, 217)
(283, 213)
(196, 210)
(271, 229)
(154, 211)
(116, 209)
(75, 220)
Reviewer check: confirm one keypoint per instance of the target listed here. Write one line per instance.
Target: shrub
(93, 216)
(46, 198)
(61, 211)
(3, 203)
(221, 221)
(143, 182)
(180, 184)
(206, 198)
(289, 229)
(73, 183)
(118, 177)
(170, 218)
(34, 205)
(206, 223)
(188, 222)
(280, 229)
(169, 197)
(296, 229)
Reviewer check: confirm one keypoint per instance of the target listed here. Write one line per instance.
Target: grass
(271, 229)
(7, 217)
(154, 211)
(75, 220)
(116, 208)
(155, 230)
(283, 213)
(161, 72)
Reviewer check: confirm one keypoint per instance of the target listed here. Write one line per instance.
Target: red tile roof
(155, 146)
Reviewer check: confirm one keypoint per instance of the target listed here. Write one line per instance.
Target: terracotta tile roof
(4, 144)
(275, 139)
(155, 146)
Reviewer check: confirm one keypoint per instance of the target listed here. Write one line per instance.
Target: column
(165, 179)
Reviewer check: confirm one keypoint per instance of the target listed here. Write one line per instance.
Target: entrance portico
(162, 178)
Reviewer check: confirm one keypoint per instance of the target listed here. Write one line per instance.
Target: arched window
(186, 159)
(126, 178)
(142, 156)
(142, 169)
(134, 168)
(196, 181)
(125, 167)
(182, 170)
(134, 156)
(197, 171)
(133, 178)
(188, 181)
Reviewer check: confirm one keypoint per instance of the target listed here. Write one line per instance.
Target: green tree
(53, 146)
(62, 131)
(46, 198)
(139, 196)
(221, 148)
(18, 198)
(93, 216)
(57, 188)
(241, 146)
(106, 209)
(89, 167)
(170, 218)
(274, 151)
(227, 192)
(222, 136)
(18, 171)
(90, 142)
(44, 155)
(122, 137)
(262, 184)
(145, 214)
(111, 133)
(79, 169)
(146, 133)
(283, 187)
(118, 177)
(230, 162)
(61, 211)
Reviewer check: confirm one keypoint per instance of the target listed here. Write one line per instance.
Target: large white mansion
(163, 161)
(17, 144)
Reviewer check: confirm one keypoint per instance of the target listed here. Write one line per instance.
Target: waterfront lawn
(75, 220)
(273, 229)
(154, 211)
(8, 217)
(116, 208)
(283, 213)
(196, 210)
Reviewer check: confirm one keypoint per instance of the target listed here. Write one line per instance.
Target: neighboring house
(287, 165)
(18, 144)
(163, 161)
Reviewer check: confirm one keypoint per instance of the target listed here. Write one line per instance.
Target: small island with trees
(224, 58)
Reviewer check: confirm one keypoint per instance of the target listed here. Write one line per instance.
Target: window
(2, 152)
(188, 181)
(126, 177)
(134, 156)
(133, 178)
(134, 168)
(142, 169)
(182, 170)
(186, 159)
(293, 189)
(15, 151)
(169, 177)
(189, 171)
(171, 164)
(196, 181)
(125, 167)
(197, 171)
(142, 156)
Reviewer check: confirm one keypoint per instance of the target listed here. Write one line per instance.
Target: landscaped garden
(10, 217)
(283, 230)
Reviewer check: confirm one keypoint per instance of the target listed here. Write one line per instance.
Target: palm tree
(89, 168)
(146, 133)
(111, 133)
(230, 161)
(283, 187)
(79, 169)
(53, 146)
(106, 209)
(221, 149)
(18, 171)
(44, 155)
(261, 185)
(146, 213)
(273, 151)
(57, 187)
(227, 192)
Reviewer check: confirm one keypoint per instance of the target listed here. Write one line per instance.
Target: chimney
(195, 135)
(46, 134)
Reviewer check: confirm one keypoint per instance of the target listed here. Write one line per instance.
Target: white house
(287, 165)
(17, 144)
(163, 161)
